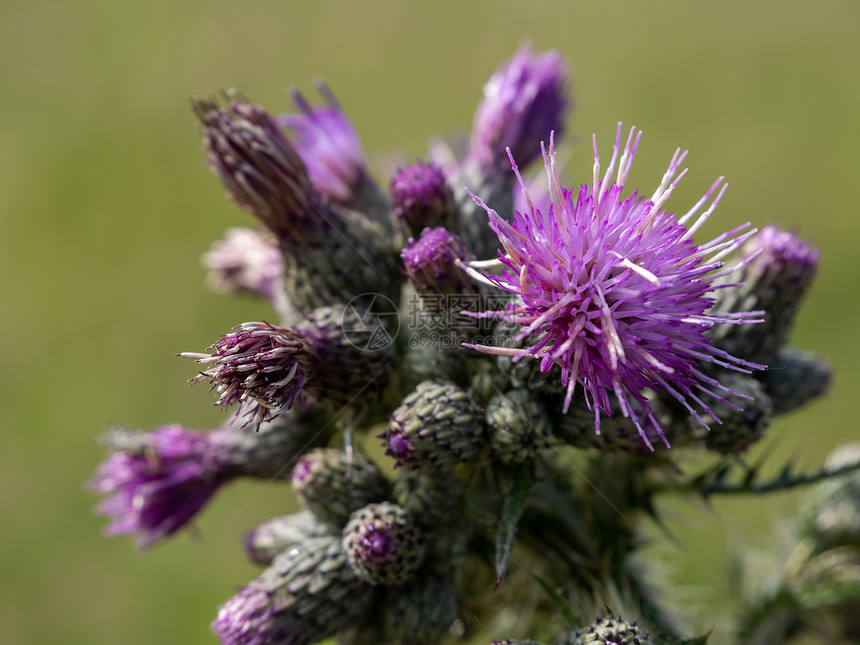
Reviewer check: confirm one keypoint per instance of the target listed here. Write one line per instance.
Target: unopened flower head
(614, 290)
(328, 144)
(776, 271)
(258, 363)
(524, 100)
(421, 198)
(431, 263)
(383, 545)
(156, 482)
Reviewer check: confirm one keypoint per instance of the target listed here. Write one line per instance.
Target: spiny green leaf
(515, 503)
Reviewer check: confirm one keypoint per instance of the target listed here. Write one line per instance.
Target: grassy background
(106, 206)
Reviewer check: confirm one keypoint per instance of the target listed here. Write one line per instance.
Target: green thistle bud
(307, 594)
(796, 377)
(739, 428)
(606, 631)
(519, 426)
(383, 544)
(332, 484)
(421, 611)
(278, 534)
(428, 497)
(437, 426)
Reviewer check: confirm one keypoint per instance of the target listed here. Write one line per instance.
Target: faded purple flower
(328, 144)
(267, 368)
(156, 482)
(524, 100)
(245, 261)
(614, 290)
(257, 363)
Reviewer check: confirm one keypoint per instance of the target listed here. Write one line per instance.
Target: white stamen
(645, 273)
(704, 216)
(474, 274)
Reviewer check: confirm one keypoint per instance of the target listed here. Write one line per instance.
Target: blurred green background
(106, 207)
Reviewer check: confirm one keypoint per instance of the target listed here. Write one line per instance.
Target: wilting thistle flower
(524, 100)
(614, 290)
(268, 368)
(245, 262)
(156, 482)
(265, 175)
(258, 363)
(259, 167)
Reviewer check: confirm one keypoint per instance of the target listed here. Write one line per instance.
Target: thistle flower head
(333, 483)
(524, 100)
(614, 291)
(328, 144)
(382, 544)
(307, 594)
(776, 271)
(259, 167)
(257, 363)
(431, 262)
(421, 198)
(245, 262)
(437, 426)
(156, 482)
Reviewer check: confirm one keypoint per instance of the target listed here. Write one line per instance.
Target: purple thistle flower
(431, 263)
(328, 144)
(524, 100)
(257, 363)
(614, 290)
(154, 483)
(158, 481)
(421, 198)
